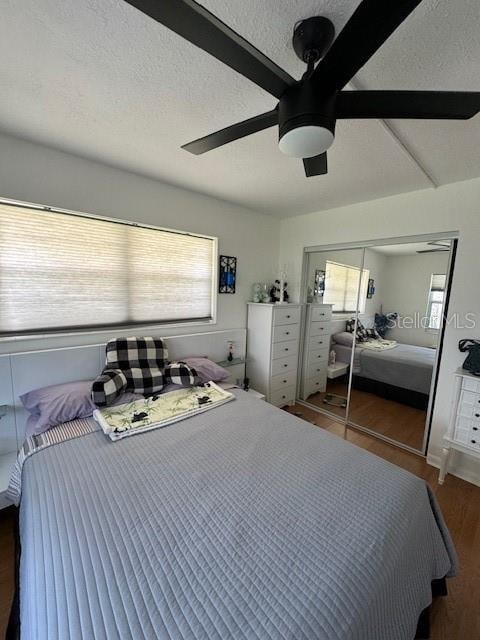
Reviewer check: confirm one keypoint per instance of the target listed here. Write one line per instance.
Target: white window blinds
(341, 287)
(60, 271)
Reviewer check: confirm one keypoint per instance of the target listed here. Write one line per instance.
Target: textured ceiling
(99, 79)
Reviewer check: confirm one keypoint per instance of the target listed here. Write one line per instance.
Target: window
(68, 271)
(341, 287)
(436, 298)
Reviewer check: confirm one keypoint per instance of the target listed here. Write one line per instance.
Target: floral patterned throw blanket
(378, 345)
(159, 410)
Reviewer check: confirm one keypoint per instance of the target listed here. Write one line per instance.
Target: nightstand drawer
(319, 329)
(285, 315)
(469, 404)
(281, 365)
(322, 314)
(283, 396)
(284, 332)
(283, 381)
(282, 349)
(469, 384)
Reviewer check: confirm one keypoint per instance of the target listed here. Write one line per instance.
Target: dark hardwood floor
(386, 417)
(456, 617)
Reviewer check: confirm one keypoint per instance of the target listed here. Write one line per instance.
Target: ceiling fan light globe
(306, 141)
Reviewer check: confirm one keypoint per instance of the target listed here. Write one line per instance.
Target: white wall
(407, 285)
(454, 207)
(34, 173)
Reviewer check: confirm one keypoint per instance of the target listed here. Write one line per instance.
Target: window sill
(114, 330)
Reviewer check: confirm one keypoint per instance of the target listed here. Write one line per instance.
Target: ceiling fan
(438, 245)
(308, 108)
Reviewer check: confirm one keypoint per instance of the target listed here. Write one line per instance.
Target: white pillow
(344, 337)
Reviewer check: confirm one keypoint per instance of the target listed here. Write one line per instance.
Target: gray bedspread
(242, 522)
(406, 366)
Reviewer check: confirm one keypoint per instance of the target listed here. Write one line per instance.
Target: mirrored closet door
(334, 282)
(379, 311)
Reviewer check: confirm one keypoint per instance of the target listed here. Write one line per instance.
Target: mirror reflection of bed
(389, 347)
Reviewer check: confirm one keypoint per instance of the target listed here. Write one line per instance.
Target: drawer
(319, 329)
(281, 349)
(468, 424)
(467, 438)
(319, 342)
(285, 315)
(284, 332)
(316, 368)
(318, 356)
(314, 385)
(286, 363)
(469, 404)
(283, 396)
(283, 381)
(321, 313)
(469, 384)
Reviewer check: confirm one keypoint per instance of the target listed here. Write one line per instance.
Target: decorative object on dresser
(463, 432)
(273, 332)
(276, 292)
(316, 349)
(227, 275)
(260, 292)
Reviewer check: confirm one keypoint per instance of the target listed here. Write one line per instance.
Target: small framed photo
(227, 275)
(319, 284)
(370, 288)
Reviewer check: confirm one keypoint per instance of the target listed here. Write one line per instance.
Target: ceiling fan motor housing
(306, 120)
(312, 38)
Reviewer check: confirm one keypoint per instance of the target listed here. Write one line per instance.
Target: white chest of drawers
(273, 333)
(316, 347)
(464, 429)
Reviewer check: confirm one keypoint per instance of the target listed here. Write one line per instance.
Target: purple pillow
(50, 406)
(207, 370)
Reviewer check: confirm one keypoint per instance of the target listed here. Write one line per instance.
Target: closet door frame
(365, 244)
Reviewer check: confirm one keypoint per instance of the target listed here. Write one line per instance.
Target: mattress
(406, 366)
(242, 522)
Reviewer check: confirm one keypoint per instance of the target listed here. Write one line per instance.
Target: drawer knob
(473, 441)
(286, 348)
(284, 382)
(285, 365)
(283, 397)
(287, 333)
(475, 428)
(287, 317)
(477, 415)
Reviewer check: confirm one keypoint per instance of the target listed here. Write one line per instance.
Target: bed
(403, 373)
(242, 522)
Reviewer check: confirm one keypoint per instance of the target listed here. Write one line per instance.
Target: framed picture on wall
(319, 284)
(370, 288)
(227, 274)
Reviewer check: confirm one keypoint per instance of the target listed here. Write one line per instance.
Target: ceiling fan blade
(434, 105)
(371, 24)
(200, 27)
(316, 166)
(234, 132)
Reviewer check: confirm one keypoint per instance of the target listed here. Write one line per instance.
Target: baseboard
(464, 474)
